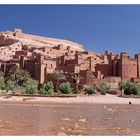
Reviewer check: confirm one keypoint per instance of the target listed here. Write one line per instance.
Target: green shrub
(122, 85)
(31, 86)
(91, 89)
(2, 84)
(57, 76)
(19, 90)
(65, 88)
(129, 87)
(104, 88)
(47, 88)
(137, 89)
(133, 89)
(10, 85)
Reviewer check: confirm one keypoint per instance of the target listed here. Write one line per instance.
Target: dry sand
(101, 99)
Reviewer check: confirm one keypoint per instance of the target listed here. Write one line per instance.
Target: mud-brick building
(41, 62)
(41, 56)
(121, 66)
(130, 67)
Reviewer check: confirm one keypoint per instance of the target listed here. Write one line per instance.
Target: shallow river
(76, 119)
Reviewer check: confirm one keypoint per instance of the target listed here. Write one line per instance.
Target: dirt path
(101, 99)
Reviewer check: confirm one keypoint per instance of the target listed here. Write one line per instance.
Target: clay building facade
(40, 61)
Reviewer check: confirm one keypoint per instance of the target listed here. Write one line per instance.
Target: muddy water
(49, 119)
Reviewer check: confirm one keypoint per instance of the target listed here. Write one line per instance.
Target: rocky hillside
(10, 38)
(14, 41)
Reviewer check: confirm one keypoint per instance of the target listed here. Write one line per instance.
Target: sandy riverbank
(101, 99)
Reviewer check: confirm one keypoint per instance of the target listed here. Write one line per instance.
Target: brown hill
(9, 38)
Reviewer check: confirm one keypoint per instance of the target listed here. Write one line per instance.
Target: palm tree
(18, 75)
(57, 76)
(77, 78)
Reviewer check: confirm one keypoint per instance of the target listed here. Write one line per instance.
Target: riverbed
(21, 118)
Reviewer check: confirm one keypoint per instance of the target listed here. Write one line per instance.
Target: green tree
(18, 75)
(65, 88)
(47, 88)
(77, 79)
(129, 87)
(31, 86)
(2, 84)
(125, 86)
(134, 89)
(57, 76)
(91, 89)
(122, 85)
(10, 85)
(103, 87)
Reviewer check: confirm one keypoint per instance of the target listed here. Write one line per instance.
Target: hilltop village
(41, 56)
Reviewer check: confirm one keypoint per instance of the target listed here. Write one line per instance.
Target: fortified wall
(130, 67)
(40, 61)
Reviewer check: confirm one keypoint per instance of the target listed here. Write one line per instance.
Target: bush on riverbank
(2, 83)
(31, 86)
(129, 87)
(47, 88)
(104, 87)
(65, 88)
(10, 85)
(91, 89)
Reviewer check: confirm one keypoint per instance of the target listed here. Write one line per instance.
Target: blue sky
(97, 27)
